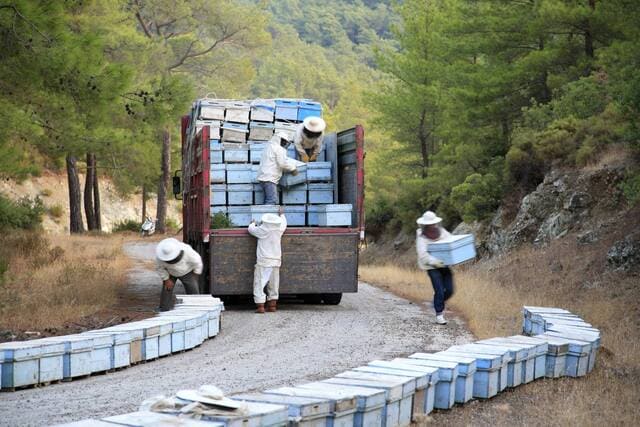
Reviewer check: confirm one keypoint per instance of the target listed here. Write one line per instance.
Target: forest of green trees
(463, 101)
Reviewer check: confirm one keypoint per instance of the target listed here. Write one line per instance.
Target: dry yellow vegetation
(490, 295)
(48, 281)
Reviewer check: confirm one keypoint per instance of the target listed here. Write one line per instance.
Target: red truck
(318, 264)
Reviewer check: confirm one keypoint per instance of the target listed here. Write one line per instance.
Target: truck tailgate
(317, 262)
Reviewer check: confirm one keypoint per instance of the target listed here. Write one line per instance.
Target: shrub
(26, 213)
(631, 188)
(46, 192)
(173, 225)
(477, 197)
(220, 220)
(127, 225)
(56, 211)
(379, 218)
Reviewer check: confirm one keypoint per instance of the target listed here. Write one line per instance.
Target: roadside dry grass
(490, 296)
(50, 281)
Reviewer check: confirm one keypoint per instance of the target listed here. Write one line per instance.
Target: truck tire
(312, 299)
(332, 299)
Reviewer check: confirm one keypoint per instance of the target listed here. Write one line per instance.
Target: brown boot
(260, 308)
(271, 305)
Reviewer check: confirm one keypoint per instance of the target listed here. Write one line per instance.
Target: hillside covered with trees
(463, 102)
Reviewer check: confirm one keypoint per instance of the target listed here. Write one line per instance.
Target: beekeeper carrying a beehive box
(273, 163)
(308, 138)
(431, 231)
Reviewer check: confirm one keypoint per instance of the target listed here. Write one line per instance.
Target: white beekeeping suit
(308, 138)
(274, 160)
(268, 259)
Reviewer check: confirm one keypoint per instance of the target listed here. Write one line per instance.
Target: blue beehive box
(319, 172)
(234, 132)
(309, 109)
(286, 109)
(292, 153)
(423, 399)
(240, 216)
(289, 180)
(312, 215)
(448, 372)
(503, 353)
(295, 215)
(370, 402)
(215, 151)
(218, 195)
(21, 364)
(240, 194)
(343, 405)
(466, 371)
(263, 110)
(239, 174)
(236, 153)
(260, 131)
(454, 250)
(217, 174)
(338, 215)
(218, 209)
(295, 195)
(486, 377)
(120, 348)
(258, 194)
(320, 193)
(256, 149)
(303, 411)
(77, 360)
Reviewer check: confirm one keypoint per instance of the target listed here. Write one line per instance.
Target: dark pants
(270, 192)
(442, 282)
(190, 283)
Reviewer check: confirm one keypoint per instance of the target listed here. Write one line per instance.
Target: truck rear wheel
(332, 299)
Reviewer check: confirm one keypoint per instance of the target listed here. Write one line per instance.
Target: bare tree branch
(143, 25)
(17, 13)
(188, 55)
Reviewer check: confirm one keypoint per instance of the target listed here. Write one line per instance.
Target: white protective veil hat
(271, 218)
(429, 218)
(168, 249)
(314, 124)
(283, 135)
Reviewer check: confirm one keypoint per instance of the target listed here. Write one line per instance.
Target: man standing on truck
(308, 139)
(273, 163)
(268, 259)
(176, 260)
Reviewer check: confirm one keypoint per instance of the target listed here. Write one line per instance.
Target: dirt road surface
(299, 343)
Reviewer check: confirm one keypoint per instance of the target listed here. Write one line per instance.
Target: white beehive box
(263, 110)
(303, 411)
(445, 392)
(148, 419)
(211, 110)
(370, 403)
(77, 360)
(21, 364)
(487, 375)
(237, 112)
(466, 372)
(453, 250)
(120, 349)
(502, 352)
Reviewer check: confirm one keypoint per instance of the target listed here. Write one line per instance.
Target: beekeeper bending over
(273, 163)
(441, 277)
(268, 260)
(177, 261)
(308, 139)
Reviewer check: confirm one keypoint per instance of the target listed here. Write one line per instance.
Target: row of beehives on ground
(43, 361)
(397, 392)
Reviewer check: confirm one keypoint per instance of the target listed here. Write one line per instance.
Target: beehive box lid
(238, 167)
(319, 165)
(407, 384)
(267, 104)
(400, 366)
(345, 207)
(239, 187)
(501, 351)
(320, 186)
(136, 333)
(238, 127)
(483, 360)
(120, 337)
(517, 352)
(340, 402)
(422, 378)
(448, 369)
(368, 398)
(466, 364)
(235, 146)
(299, 407)
(148, 418)
(541, 345)
(452, 242)
(20, 350)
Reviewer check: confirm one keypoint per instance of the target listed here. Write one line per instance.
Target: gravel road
(299, 343)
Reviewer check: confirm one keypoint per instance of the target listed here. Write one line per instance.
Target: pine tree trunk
(96, 195)
(164, 182)
(75, 197)
(144, 202)
(88, 193)
(423, 136)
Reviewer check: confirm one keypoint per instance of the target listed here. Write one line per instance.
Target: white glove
(438, 263)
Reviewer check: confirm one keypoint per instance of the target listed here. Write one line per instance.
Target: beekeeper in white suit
(309, 137)
(177, 261)
(273, 163)
(268, 260)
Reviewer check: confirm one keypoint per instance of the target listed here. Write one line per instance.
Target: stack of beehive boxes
(239, 132)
